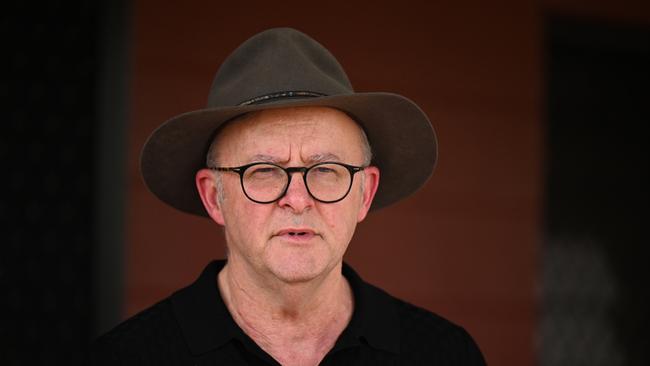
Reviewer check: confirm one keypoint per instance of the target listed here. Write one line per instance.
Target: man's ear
(371, 183)
(207, 186)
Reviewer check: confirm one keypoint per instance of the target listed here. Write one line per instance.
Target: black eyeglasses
(326, 182)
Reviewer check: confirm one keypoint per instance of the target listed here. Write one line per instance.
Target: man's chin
(299, 271)
(296, 275)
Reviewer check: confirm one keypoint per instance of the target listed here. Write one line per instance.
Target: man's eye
(264, 170)
(325, 170)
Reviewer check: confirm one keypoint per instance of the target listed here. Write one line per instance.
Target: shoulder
(428, 338)
(152, 334)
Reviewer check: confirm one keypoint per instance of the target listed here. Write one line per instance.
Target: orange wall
(465, 246)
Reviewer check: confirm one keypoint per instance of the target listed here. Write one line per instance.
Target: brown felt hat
(278, 68)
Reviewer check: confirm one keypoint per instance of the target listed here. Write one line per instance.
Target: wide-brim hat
(279, 68)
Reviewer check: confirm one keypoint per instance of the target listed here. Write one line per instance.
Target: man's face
(263, 237)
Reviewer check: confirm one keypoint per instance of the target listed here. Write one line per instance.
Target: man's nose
(297, 196)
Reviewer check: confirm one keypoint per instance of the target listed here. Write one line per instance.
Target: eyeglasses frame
(352, 169)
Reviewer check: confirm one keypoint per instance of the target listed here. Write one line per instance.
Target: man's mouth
(296, 233)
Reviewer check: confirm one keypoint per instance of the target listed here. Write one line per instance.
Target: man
(288, 159)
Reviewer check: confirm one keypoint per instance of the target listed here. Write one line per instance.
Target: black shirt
(194, 327)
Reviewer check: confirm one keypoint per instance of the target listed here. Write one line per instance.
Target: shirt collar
(375, 318)
(206, 323)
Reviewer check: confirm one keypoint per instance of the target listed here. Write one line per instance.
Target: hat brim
(403, 143)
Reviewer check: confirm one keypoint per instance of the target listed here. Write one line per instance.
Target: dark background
(69, 116)
(51, 66)
(594, 308)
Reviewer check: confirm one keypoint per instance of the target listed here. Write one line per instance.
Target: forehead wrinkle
(301, 133)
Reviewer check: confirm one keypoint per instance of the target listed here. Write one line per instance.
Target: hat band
(287, 94)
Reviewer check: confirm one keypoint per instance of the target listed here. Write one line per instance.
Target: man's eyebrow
(318, 158)
(265, 158)
(315, 158)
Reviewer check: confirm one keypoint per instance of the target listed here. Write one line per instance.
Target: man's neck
(296, 323)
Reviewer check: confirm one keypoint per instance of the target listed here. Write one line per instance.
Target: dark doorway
(594, 290)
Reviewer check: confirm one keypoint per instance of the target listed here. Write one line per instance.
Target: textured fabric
(194, 327)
